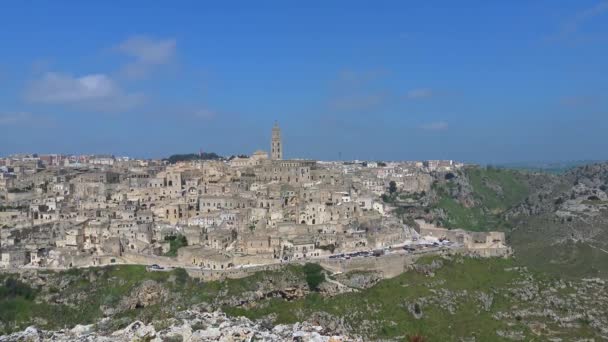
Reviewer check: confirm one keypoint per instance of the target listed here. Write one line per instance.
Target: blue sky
(480, 81)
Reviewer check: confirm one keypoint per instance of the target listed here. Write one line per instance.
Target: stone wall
(231, 273)
(390, 265)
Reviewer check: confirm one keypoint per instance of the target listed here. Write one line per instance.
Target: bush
(331, 247)
(14, 288)
(314, 275)
(181, 276)
(392, 187)
(175, 242)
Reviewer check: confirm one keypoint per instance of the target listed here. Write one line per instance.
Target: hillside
(477, 198)
(555, 223)
(448, 298)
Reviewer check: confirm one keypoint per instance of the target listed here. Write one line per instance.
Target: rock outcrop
(193, 325)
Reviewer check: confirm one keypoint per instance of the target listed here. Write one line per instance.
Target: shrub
(416, 338)
(181, 276)
(14, 288)
(175, 242)
(392, 187)
(314, 275)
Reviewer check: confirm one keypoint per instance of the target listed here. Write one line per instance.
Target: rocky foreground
(189, 325)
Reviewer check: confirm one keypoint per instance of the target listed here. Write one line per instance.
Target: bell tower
(276, 147)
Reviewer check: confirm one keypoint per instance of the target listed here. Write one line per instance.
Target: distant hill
(547, 167)
(193, 156)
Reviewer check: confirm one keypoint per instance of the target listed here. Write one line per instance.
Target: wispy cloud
(356, 78)
(147, 53)
(358, 90)
(435, 126)
(578, 101)
(572, 26)
(93, 91)
(14, 118)
(419, 93)
(204, 114)
(187, 111)
(358, 102)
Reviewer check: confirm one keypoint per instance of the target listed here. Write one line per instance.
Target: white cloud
(147, 53)
(94, 91)
(420, 93)
(435, 126)
(7, 119)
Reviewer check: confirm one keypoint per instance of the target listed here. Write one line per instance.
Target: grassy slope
(93, 287)
(486, 216)
(535, 241)
(381, 311)
(533, 238)
(378, 312)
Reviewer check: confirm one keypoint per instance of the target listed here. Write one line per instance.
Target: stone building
(276, 147)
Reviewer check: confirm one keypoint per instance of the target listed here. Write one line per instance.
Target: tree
(392, 187)
(314, 275)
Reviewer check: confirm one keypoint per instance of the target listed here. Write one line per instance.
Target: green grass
(514, 190)
(380, 312)
(495, 191)
(384, 303)
(377, 312)
(93, 288)
(466, 218)
(568, 259)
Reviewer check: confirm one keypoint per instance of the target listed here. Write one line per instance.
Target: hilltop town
(204, 247)
(216, 214)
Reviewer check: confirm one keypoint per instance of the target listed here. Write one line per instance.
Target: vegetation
(20, 190)
(16, 301)
(556, 168)
(175, 242)
(88, 292)
(381, 312)
(192, 156)
(12, 207)
(314, 275)
(330, 247)
(493, 190)
(497, 189)
(392, 187)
